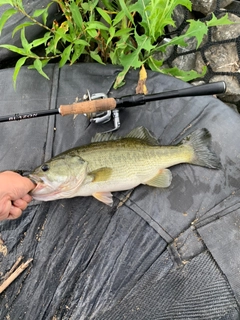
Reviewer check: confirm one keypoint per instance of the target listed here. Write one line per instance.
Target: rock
(220, 57)
(234, 6)
(223, 58)
(186, 62)
(164, 55)
(207, 6)
(219, 48)
(228, 31)
(180, 15)
(232, 93)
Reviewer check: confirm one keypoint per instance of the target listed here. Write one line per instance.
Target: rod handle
(206, 89)
(88, 106)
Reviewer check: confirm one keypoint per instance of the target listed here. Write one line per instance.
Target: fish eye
(45, 167)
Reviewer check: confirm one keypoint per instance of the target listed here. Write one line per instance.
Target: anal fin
(162, 180)
(105, 197)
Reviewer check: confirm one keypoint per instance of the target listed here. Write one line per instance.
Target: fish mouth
(35, 179)
(40, 185)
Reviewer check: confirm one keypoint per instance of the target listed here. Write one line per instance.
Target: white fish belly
(118, 182)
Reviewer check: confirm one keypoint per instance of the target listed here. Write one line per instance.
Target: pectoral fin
(162, 180)
(102, 174)
(105, 197)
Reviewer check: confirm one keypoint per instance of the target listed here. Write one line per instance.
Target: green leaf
(119, 17)
(104, 15)
(21, 26)
(108, 5)
(143, 42)
(60, 34)
(42, 12)
(82, 42)
(219, 21)
(114, 57)
(96, 25)
(93, 4)
(38, 12)
(13, 49)
(44, 63)
(185, 3)
(95, 56)
(126, 10)
(17, 68)
(77, 17)
(85, 6)
(19, 4)
(120, 79)
(104, 36)
(2, 2)
(47, 38)
(45, 16)
(65, 56)
(5, 16)
(78, 49)
(160, 15)
(122, 32)
(38, 42)
(184, 75)
(89, 6)
(92, 33)
(133, 59)
(154, 64)
(26, 45)
(140, 7)
(38, 65)
(111, 33)
(196, 29)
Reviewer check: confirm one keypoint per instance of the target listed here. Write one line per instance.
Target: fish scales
(132, 152)
(111, 164)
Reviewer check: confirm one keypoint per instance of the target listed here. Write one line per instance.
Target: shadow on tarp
(163, 254)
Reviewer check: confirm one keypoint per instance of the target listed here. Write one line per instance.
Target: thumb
(28, 184)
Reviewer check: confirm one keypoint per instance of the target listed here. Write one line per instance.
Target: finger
(5, 210)
(5, 206)
(27, 198)
(14, 213)
(20, 203)
(29, 185)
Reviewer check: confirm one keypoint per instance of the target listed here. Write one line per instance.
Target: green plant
(122, 32)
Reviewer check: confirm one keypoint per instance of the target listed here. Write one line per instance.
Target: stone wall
(220, 50)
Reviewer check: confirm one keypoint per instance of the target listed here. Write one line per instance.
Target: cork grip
(88, 106)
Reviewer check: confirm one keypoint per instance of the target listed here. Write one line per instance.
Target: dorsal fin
(143, 134)
(100, 137)
(137, 133)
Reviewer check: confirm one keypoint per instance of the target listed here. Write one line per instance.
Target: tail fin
(200, 141)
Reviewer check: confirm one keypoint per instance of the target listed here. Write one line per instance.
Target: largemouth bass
(111, 164)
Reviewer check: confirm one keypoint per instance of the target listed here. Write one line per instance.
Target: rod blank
(127, 101)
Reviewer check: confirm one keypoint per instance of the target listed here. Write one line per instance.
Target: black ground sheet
(157, 253)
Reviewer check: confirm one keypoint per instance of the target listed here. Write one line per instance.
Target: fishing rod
(100, 109)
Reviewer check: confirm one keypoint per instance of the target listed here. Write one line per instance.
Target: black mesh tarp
(161, 254)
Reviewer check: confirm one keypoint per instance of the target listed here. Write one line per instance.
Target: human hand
(14, 197)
